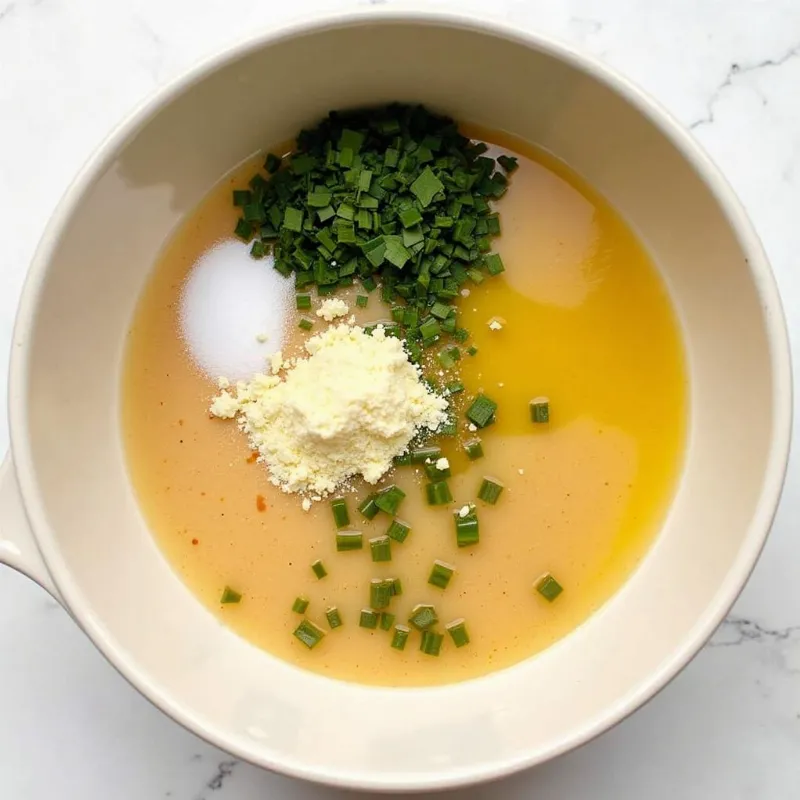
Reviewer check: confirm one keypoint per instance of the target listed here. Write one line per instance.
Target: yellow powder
(346, 410)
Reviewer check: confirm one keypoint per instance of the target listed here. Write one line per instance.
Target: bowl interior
(100, 249)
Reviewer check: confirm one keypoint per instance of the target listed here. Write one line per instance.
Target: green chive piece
(474, 449)
(548, 587)
(441, 573)
(397, 587)
(402, 461)
(431, 643)
(400, 637)
(490, 490)
(429, 329)
(454, 387)
(508, 163)
(334, 617)
(381, 591)
(369, 508)
(482, 411)
(309, 634)
(230, 596)
(386, 621)
(438, 493)
(244, 229)
(362, 300)
(318, 568)
(303, 301)
(349, 540)
(472, 350)
(467, 529)
(436, 472)
(381, 548)
(242, 197)
(423, 617)
(440, 310)
(540, 409)
(494, 264)
(305, 324)
(388, 500)
(448, 356)
(458, 632)
(300, 605)
(419, 455)
(398, 530)
(273, 163)
(341, 516)
(368, 618)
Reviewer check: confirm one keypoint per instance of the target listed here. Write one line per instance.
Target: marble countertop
(729, 726)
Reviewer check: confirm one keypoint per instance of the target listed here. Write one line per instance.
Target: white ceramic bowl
(68, 516)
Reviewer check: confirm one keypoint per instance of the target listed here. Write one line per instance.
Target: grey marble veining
(729, 726)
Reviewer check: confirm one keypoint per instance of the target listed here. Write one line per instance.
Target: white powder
(347, 410)
(229, 303)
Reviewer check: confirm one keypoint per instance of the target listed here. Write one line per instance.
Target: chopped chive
(482, 411)
(429, 328)
(455, 387)
(349, 540)
(229, 596)
(341, 516)
(398, 530)
(244, 229)
(435, 472)
(334, 617)
(368, 618)
(448, 356)
(369, 508)
(300, 605)
(474, 449)
(381, 548)
(431, 643)
(273, 163)
(309, 634)
(441, 573)
(402, 461)
(362, 300)
(494, 264)
(490, 490)
(388, 500)
(397, 587)
(303, 301)
(421, 454)
(242, 197)
(438, 493)
(467, 529)
(318, 568)
(458, 632)
(540, 409)
(472, 350)
(400, 637)
(508, 163)
(381, 592)
(305, 324)
(548, 587)
(386, 621)
(423, 617)
(440, 310)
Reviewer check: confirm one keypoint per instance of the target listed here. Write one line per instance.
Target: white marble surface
(729, 726)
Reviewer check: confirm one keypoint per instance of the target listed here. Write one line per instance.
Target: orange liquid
(587, 322)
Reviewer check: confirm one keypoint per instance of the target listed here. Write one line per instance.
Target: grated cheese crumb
(262, 337)
(332, 308)
(327, 419)
(222, 382)
(276, 362)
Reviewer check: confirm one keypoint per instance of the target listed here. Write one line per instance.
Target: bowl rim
(690, 150)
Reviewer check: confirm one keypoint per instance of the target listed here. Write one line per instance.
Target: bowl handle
(18, 548)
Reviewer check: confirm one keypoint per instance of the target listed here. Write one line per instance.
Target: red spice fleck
(195, 541)
(261, 504)
(252, 457)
